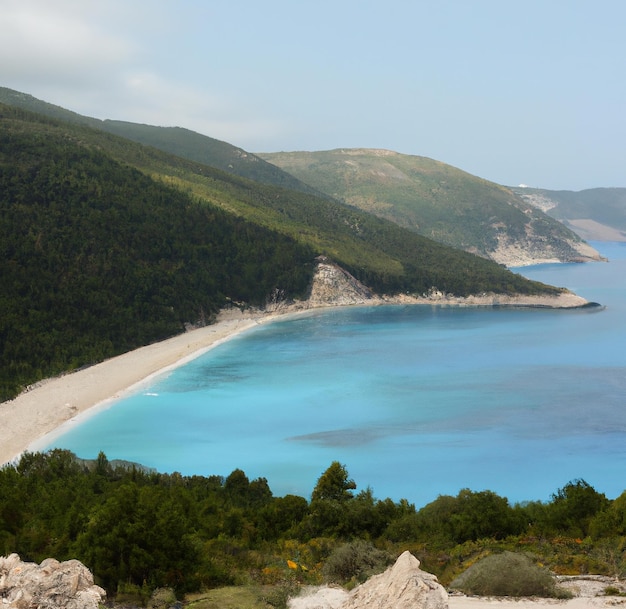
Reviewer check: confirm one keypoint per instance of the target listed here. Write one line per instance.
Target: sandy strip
(53, 403)
(587, 591)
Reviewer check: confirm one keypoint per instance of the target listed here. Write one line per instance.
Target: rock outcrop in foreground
(50, 585)
(402, 586)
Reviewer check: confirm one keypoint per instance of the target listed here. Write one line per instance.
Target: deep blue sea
(415, 401)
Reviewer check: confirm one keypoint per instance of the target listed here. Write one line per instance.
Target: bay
(415, 401)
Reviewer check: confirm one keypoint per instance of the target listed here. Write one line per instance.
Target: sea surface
(415, 401)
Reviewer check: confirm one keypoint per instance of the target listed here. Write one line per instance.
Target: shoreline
(44, 410)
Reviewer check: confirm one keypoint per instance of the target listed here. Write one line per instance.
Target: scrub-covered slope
(438, 201)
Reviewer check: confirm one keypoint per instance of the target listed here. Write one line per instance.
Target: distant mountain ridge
(596, 213)
(438, 201)
(429, 197)
(175, 140)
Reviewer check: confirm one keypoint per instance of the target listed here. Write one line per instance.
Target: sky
(514, 91)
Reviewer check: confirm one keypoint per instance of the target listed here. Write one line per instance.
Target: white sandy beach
(50, 404)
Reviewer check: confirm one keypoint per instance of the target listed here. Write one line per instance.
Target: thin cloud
(39, 41)
(70, 54)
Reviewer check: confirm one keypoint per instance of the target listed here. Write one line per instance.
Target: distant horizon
(515, 93)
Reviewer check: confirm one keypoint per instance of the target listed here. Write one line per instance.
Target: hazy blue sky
(514, 91)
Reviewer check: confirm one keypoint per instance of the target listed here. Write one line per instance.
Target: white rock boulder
(50, 585)
(402, 586)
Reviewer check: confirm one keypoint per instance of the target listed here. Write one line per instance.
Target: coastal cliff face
(333, 285)
(536, 251)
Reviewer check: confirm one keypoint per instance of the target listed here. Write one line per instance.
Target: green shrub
(507, 574)
(163, 598)
(355, 561)
(278, 596)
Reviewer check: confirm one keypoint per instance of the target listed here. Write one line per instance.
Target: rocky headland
(334, 286)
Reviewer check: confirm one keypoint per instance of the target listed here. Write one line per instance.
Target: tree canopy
(334, 484)
(140, 528)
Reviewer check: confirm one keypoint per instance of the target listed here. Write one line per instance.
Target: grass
(230, 597)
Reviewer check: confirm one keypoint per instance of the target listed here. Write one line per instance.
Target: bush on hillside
(355, 562)
(507, 574)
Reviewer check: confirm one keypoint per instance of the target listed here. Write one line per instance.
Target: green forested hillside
(140, 530)
(208, 151)
(431, 198)
(96, 258)
(425, 196)
(108, 244)
(174, 140)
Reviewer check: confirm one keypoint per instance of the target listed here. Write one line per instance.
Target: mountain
(596, 213)
(426, 196)
(209, 151)
(175, 140)
(107, 245)
(438, 201)
(98, 258)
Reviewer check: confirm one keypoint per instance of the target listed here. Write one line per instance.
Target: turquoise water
(416, 401)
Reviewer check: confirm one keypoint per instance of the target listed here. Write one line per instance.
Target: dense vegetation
(175, 140)
(107, 245)
(96, 258)
(137, 529)
(427, 196)
(208, 151)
